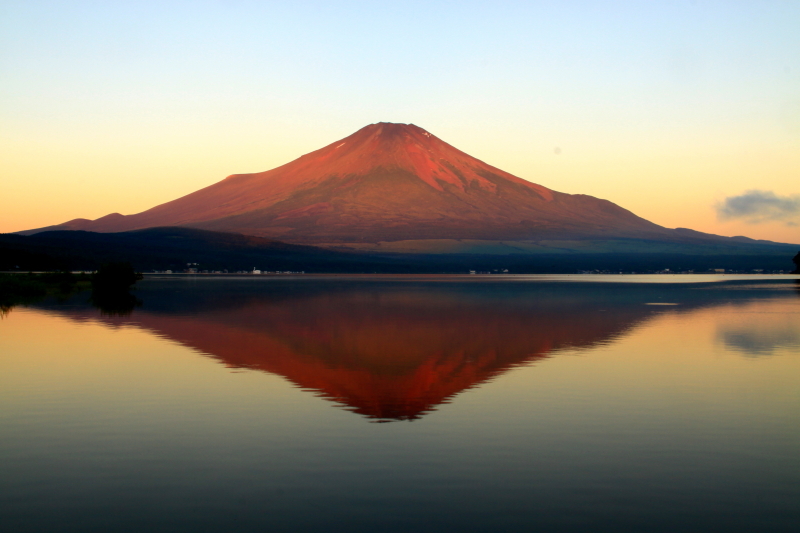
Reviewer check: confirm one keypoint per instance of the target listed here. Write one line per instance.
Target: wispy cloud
(756, 206)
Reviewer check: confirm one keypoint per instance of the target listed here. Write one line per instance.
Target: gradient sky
(674, 110)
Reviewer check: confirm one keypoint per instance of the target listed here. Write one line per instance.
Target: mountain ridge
(389, 183)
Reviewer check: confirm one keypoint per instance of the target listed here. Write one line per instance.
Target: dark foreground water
(405, 404)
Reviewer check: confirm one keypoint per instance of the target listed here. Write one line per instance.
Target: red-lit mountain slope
(387, 182)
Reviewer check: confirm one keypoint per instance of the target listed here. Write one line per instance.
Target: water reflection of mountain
(397, 351)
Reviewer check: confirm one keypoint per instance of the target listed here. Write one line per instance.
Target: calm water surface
(406, 404)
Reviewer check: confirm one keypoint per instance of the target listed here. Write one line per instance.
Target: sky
(685, 112)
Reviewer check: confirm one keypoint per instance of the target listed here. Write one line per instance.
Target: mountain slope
(386, 182)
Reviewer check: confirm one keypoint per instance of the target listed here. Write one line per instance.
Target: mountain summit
(388, 182)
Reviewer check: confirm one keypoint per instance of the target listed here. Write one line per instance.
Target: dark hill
(172, 248)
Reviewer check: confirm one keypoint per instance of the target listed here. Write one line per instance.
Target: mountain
(390, 183)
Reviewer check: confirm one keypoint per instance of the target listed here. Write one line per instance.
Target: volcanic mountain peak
(391, 146)
(386, 182)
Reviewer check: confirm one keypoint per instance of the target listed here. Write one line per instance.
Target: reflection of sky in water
(760, 328)
(758, 341)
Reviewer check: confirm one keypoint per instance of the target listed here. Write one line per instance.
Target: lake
(416, 403)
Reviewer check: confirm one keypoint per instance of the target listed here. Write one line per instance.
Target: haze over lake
(389, 403)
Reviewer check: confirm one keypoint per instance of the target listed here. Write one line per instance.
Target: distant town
(194, 268)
